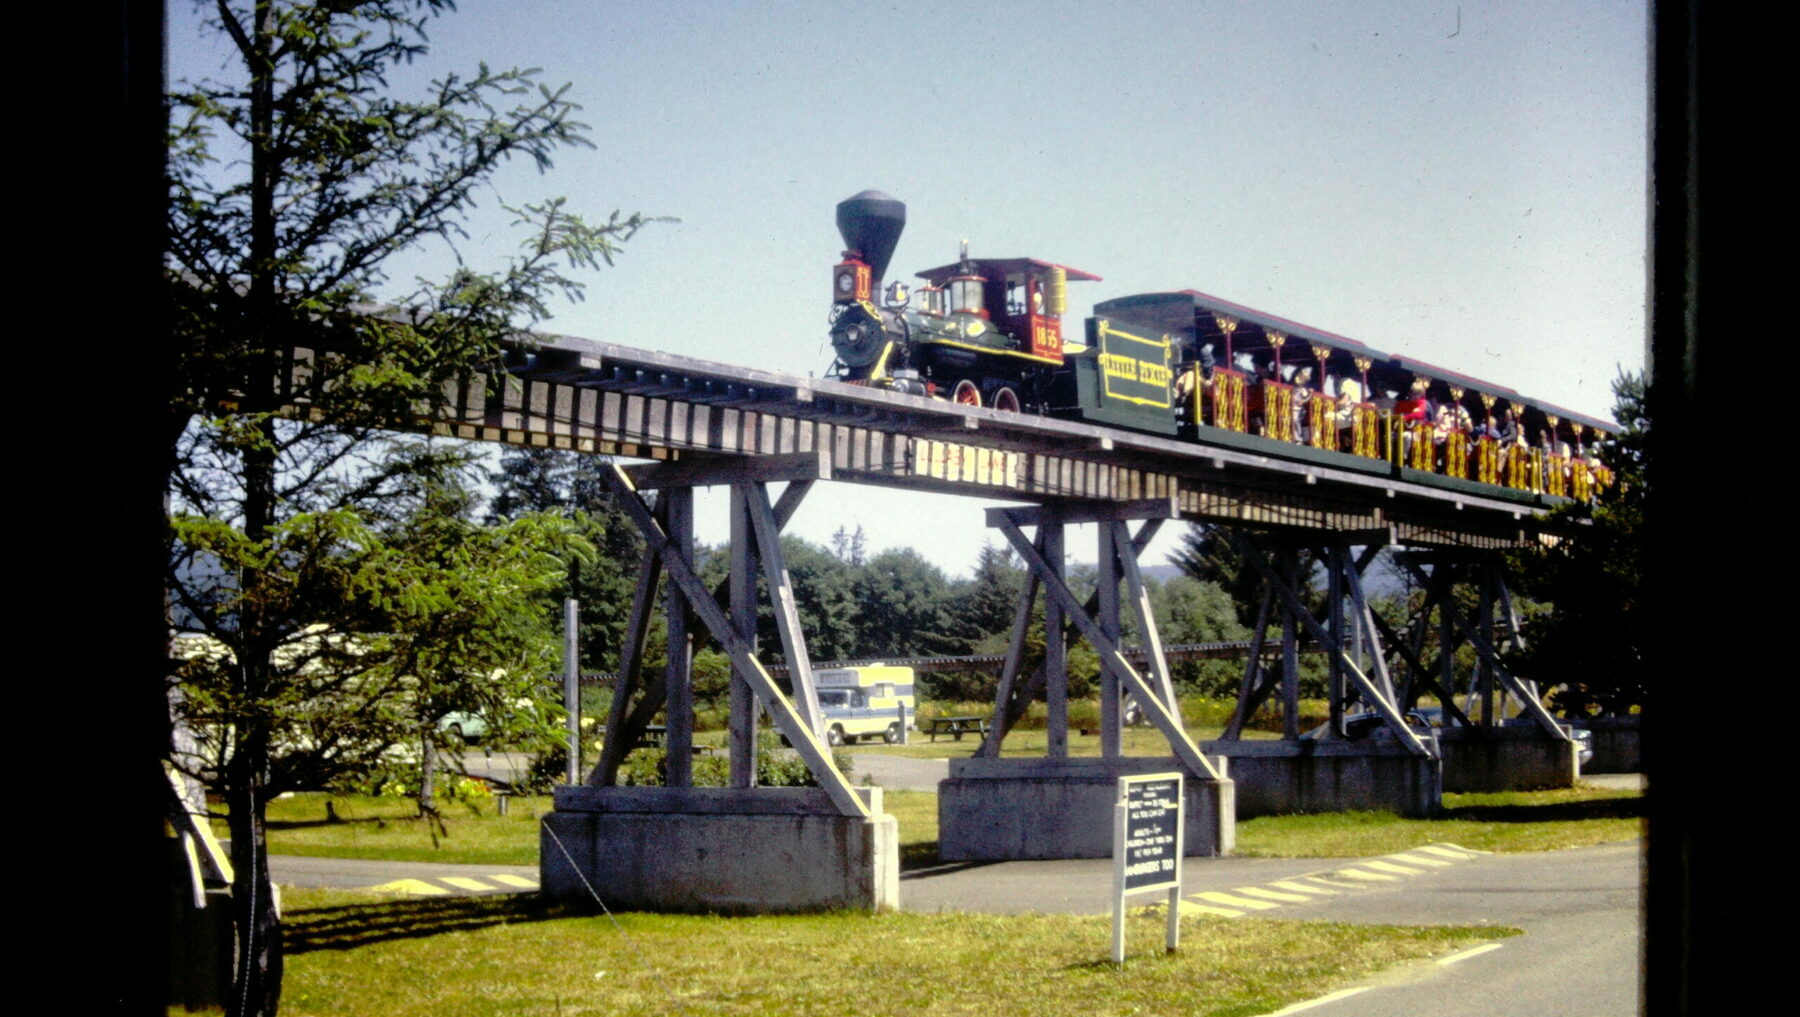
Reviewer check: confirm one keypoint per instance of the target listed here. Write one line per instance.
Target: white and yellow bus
(862, 702)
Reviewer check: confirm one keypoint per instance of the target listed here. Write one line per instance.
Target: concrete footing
(729, 850)
(1009, 809)
(1277, 777)
(1507, 759)
(1618, 745)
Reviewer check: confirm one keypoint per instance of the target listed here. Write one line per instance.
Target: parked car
(469, 727)
(1583, 738)
(1358, 726)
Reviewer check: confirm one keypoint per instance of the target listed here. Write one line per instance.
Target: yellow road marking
(1381, 866)
(511, 880)
(1470, 952)
(1452, 851)
(1288, 884)
(1328, 882)
(1374, 877)
(1220, 897)
(1257, 891)
(466, 883)
(1418, 859)
(418, 886)
(1188, 907)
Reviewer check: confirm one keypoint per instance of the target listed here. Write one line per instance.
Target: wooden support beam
(1107, 590)
(1056, 649)
(1059, 594)
(1290, 664)
(1073, 512)
(678, 673)
(786, 611)
(741, 578)
(1005, 713)
(1139, 597)
(1532, 706)
(1422, 672)
(619, 735)
(787, 720)
(1365, 627)
(1251, 693)
(711, 470)
(1297, 610)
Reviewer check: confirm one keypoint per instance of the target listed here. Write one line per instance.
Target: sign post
(1148, 823)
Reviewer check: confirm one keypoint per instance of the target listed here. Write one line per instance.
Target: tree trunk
(256, 971)
(428, 759)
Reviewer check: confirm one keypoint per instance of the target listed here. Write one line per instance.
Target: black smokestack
(871, 223)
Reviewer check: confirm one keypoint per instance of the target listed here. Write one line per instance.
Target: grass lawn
(355, 953)
(1506, 821)
(386, 828)
(389, 829)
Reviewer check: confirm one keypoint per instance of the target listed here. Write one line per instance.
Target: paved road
(899, 773)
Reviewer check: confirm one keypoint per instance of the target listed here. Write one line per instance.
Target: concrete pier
(1276, 777)
(1507, 759)
(725, 850)
(1618, 745)
(1010, 809)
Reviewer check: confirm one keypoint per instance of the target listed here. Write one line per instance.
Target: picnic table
(656, 736)
(956, 726)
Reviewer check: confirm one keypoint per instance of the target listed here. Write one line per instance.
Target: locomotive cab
(1022, 298)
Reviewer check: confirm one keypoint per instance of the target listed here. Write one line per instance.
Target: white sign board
(1148, 821)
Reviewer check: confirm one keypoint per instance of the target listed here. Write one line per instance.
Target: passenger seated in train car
(1443, 423)
(1253, 390)
(1349, 394)
(1415, 407)
(1412, 412)
(1510, 431)
(1489, 429)
(1203, 367)
(1302, 396)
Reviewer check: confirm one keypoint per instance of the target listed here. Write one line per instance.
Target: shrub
(775, 767)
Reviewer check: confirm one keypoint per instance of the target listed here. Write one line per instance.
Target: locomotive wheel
(1005, 398)
(967, 393)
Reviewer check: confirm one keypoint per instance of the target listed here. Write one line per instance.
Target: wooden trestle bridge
(703, 423)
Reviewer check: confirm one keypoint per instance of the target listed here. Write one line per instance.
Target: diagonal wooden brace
(1298, 610)
(1482, 646)
(787, 720)
(787, 613)
(1110, 657)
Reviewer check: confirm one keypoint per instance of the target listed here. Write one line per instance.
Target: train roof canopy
(1002, 266)
(1173, 312)
(1444, 374)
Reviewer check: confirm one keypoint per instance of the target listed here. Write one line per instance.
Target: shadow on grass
(1550, 812)
(921, 855)
(347, 927)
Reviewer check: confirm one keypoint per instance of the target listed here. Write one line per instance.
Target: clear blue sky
(1462, 182)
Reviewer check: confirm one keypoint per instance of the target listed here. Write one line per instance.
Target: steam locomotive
(989, 332)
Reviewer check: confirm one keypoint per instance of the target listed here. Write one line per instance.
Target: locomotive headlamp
(850, 279)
